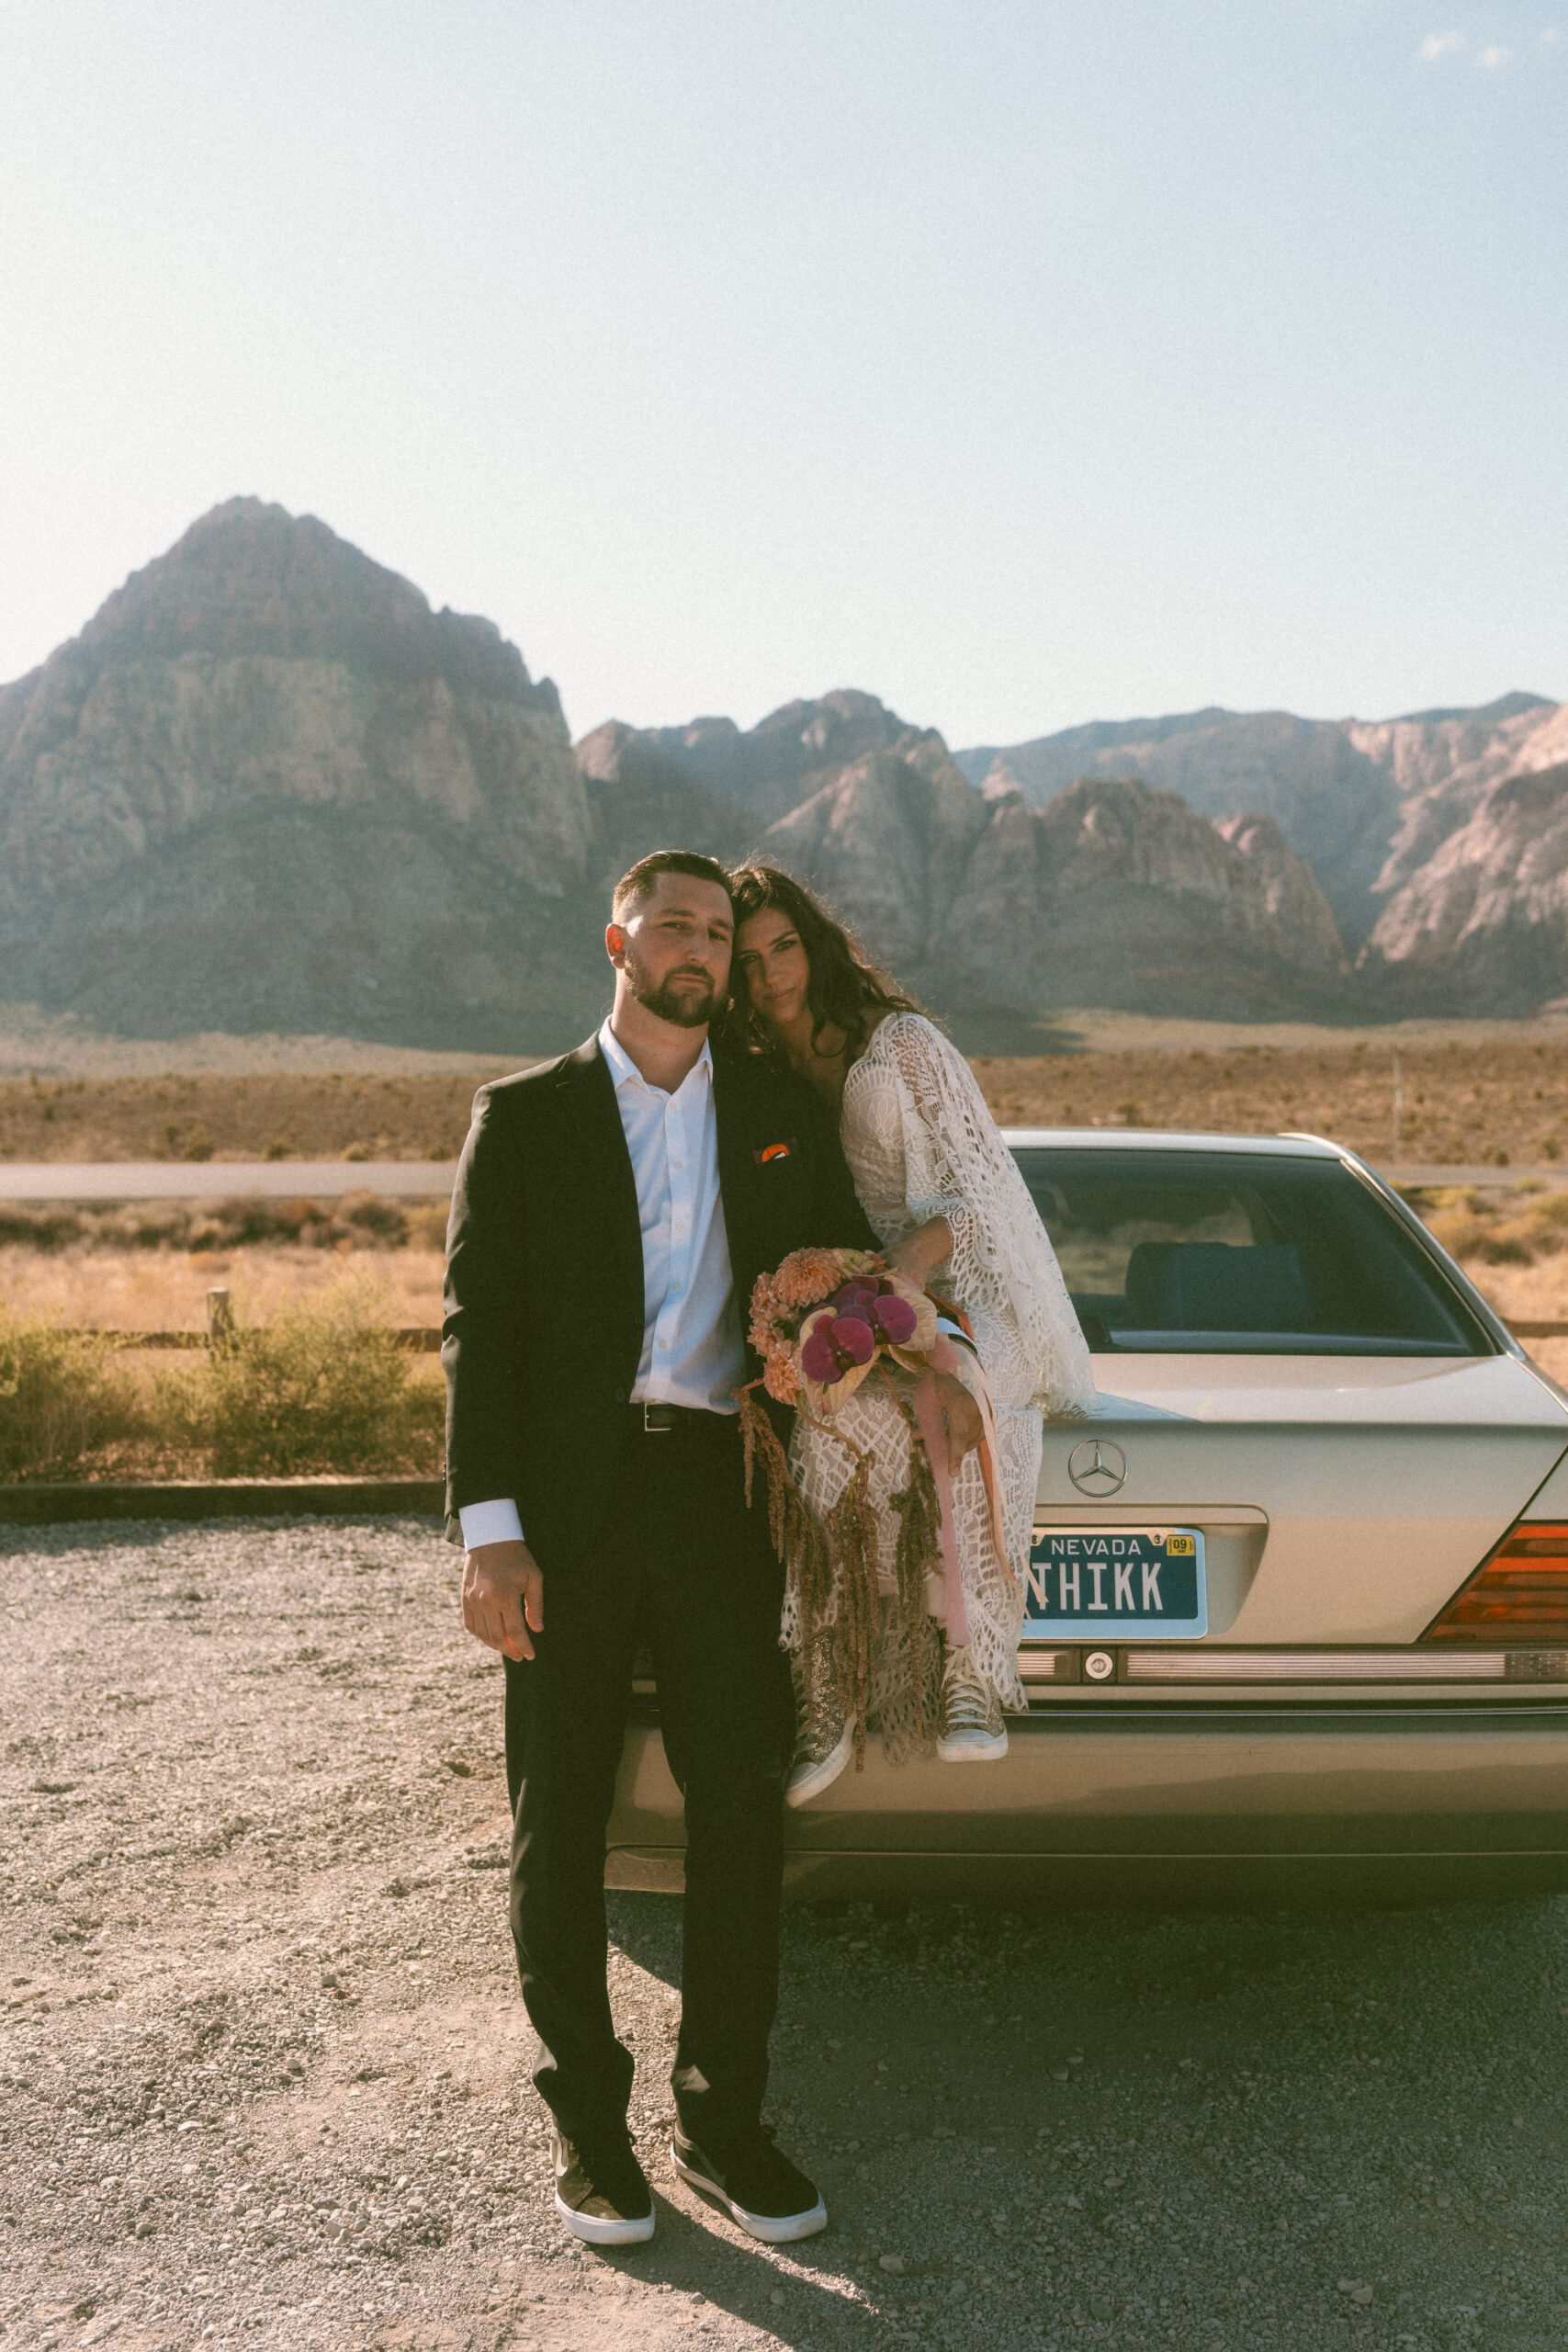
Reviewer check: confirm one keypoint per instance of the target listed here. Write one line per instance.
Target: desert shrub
(358, 1220)
(138, 1224)
(52, 1226)
(63, 1397)
(323, 1386)
(376, 1218)
(1461, 1231)
(1518, 1243)
(1533, 1223)
(428, 1224)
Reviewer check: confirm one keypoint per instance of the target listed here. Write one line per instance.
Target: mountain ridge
(268, 786)
(1365, 802)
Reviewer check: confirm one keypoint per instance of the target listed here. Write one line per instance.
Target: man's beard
(682, 1009)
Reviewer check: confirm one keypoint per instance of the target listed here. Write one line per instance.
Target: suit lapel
(600, 1169)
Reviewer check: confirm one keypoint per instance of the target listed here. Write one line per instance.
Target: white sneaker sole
(594, 2232)
(773, 2229)
(973, 1748)
(809, 1781)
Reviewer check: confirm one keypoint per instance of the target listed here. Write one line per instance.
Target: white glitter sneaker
(973, 1731)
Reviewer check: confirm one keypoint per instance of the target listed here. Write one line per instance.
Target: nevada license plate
(1128, 1583)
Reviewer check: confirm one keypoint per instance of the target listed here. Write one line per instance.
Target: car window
(1204, 1252)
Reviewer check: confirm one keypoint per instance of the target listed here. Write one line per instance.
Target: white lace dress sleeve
(920, 1143)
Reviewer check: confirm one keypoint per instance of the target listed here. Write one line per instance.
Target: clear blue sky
(1022, 363)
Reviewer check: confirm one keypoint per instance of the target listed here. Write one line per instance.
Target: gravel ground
(262, 2073)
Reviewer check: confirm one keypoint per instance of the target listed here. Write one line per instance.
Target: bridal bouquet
(823, 1323)
(827, 1317)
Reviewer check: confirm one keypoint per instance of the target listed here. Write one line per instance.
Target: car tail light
(1518, 1593)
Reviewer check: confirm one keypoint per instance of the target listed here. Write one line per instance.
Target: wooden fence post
(220, 1317)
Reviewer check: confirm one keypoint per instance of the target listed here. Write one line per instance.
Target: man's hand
(503, 1597)
(960, 1418)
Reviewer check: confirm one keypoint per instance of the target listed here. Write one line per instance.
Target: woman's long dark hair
(847, 990)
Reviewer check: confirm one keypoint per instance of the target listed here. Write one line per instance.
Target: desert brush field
(1475, 1096)
(319, 1282)
(1464, 1101)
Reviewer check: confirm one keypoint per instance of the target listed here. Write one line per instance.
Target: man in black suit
(612, 1212)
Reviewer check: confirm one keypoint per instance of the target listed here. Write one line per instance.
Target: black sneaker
(761, 2187)
(602, 2193)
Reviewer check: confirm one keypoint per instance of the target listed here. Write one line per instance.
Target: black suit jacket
(544, 1322)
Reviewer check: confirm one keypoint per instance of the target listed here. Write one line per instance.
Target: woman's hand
(928, 1247)
(960, 1418)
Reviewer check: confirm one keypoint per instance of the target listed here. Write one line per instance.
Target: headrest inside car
(1211, 1287)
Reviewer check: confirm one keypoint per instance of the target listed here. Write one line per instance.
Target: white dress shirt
(692, 1348)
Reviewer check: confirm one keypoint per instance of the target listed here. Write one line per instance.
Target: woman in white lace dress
(945, 1197)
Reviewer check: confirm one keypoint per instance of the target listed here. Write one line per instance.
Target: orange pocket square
(774, 1151)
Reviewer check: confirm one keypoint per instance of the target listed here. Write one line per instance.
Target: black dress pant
(685, 1566)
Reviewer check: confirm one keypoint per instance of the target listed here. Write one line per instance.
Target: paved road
(181, 1179)
(263, 2077)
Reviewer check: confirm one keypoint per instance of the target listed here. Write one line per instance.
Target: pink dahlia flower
(807, 1275)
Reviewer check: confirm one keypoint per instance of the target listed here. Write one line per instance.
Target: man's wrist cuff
(493, 1522)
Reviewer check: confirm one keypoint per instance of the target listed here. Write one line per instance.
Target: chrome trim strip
(1451, 1663)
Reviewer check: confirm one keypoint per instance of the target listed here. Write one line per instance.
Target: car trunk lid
(1342, 1499)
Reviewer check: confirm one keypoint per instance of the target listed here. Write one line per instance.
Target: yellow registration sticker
(1182, 1544)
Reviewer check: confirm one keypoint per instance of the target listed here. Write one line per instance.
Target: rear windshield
(1199, 1253)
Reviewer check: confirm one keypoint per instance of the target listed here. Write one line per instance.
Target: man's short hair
(636, 883)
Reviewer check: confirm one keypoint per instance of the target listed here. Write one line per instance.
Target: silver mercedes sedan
(1297, 1601)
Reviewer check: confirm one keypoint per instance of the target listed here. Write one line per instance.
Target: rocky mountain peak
(1483, 923)
(769, 769)
(262, 784)
(249, 579)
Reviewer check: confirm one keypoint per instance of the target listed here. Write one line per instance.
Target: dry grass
(1465, 1104)
(1529, 1294)
(164, 1290)
(159, 1435)
(1466, 1101)
(1473, 1100)
(418, 1116)
(319, 1385)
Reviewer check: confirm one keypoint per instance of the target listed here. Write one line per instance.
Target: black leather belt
(688, 1421)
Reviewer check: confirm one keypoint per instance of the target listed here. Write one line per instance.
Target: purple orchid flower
(836, 1347)
(853, 1298)
(895, 1319)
